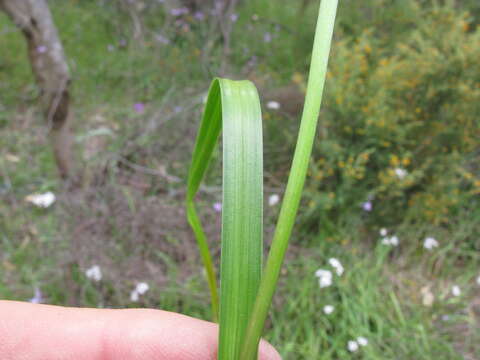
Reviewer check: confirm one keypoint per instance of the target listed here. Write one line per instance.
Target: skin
(41, 332)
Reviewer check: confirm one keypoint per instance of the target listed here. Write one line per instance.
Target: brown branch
(51, 71)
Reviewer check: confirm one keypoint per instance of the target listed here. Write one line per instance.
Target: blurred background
(92, 196)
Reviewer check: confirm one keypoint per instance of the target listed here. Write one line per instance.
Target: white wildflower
(273, 199)
(352, 346)
(41, 200)
(94, 273)
(401, 173)
(427, 297)
(134, 297)
(362, 341)
(391, 241)
(322, 272)
(324, 278)
(456, 290)
(142, 288)
(328, 309)
(478, 280)
(337, 265)
(386, 241)
(430, 243)
(394, 241)
(273, 105)
(383, 232)
(12, 158)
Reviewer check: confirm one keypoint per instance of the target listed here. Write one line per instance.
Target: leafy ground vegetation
(385, 260)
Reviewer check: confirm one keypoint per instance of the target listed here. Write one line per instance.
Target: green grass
(379, 295)
(375, 298)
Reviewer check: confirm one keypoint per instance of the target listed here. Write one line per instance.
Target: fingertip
(268, 352)
(107, 334)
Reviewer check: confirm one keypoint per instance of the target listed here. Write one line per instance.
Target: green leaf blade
(235, 107)
(242, 212)
(207, 137)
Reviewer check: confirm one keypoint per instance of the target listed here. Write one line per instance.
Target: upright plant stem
(296, 180)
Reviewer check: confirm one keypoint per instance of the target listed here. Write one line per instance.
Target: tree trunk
(51, 71)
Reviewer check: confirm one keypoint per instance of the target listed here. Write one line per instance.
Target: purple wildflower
(367, 206)
(217, 206)
(200, 16)
(37, 297)
(267, 37)
(139, 108)
(179, 11)
(42, 49)
(162, 39)
(234, 17)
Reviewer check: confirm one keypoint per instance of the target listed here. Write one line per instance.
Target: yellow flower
(394, 161)
(298, 78)
(384, 62)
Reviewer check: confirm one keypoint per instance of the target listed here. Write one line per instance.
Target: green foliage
(370, 300)
(113, 69)
(401, 128)
(391, 19)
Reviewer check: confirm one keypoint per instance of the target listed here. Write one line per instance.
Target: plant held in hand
(246, 291)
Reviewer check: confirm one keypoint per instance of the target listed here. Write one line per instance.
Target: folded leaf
(235, 106)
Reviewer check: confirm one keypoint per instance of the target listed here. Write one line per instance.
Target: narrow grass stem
(296, 180)
(194, 222)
